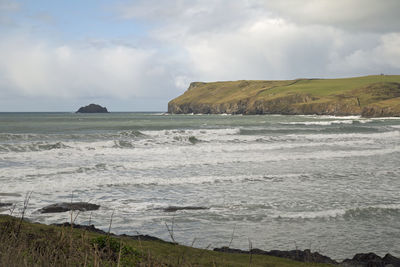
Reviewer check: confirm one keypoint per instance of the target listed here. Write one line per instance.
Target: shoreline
(328, 115)
(305, 256)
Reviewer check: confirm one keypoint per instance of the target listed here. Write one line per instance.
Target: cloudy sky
(137, 55)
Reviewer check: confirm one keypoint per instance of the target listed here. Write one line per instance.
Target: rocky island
(368, 96)
(92, 108)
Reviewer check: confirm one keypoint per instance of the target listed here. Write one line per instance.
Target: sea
(329, 184)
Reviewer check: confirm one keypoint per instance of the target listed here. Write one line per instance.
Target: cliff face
(370, 96)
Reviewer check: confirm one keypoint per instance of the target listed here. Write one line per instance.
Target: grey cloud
(207, 41)
(31, 67)
(353, 15)
(203, 15)
(274, 39)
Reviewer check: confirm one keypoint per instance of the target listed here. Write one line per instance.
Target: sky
(136, 55)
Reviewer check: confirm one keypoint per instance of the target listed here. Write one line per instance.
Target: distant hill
(92, 108)
(369, 96)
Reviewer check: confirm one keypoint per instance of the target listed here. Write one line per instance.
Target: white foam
(343, 136)
(385, 118)
(333, 213)
(330, 117)
(324, 123)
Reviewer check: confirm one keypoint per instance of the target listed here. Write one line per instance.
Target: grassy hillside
(368, 96)
(30, 244)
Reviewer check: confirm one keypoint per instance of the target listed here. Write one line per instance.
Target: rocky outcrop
(67, 206)
(92, 108)
(92, 228)
(371, 260)
(296, 255)
(359, 260)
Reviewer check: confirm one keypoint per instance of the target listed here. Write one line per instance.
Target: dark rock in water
(92, 108)
(296, 255)
(92, 228)
(10, 195)
(5, 204)
(175, 208)
(65, 206)
(304, 256)
(372, 260)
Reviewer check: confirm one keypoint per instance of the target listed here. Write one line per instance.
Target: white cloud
(359, 15)
(224, 40)
(384, 57)
(38, 68)
(207, 40)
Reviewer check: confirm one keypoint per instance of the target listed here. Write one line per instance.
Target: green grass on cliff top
(322, 89)
(31, 244)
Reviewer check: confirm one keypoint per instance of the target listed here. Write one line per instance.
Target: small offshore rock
(67, 206)
(92, 108)
(10, 195)
(175, 208)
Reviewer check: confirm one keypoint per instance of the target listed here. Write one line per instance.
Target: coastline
(14, 228)
(366, 96)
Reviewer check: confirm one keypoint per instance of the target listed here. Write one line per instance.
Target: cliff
(369, 96)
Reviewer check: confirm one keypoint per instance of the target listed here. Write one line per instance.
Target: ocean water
(331, 184)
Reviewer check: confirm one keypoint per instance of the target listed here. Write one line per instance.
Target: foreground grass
(31, 244)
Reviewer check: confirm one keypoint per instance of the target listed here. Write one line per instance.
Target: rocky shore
(359, 260)
(305, 256)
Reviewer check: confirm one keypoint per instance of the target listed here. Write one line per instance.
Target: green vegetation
(377, 95)
(31, 244)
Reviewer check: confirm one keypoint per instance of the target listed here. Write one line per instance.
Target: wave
(344, 136)
(132, 133)
(195, 180)
(57, 171)
(302, 130)
(32, 147)
(324, 123)
(329, 122)
(70, 136)
(123, 144)
(351, 117)
(19, 137)
(374, 211)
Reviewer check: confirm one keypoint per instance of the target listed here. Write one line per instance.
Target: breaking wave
(32, 147)
(376, 211)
